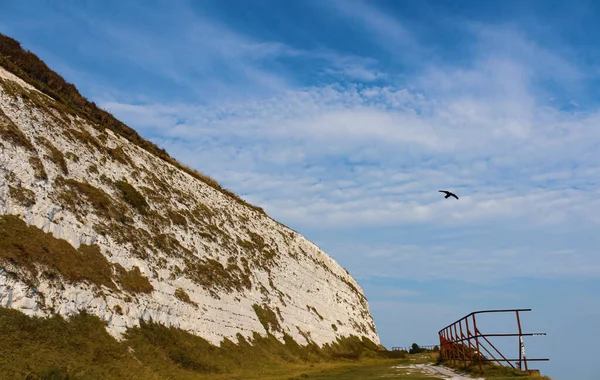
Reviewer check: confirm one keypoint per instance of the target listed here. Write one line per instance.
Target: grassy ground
(80, 348)
(493, 371)
(377, 370)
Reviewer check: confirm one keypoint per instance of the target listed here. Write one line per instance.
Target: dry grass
(119, 155)
(132, 196)
(212, 275)
(10, 132)
(38, 168)
(80, 348)
(176, 218)
(53, 348)
(491, 370)
(28, 247)
(55, 155)
(133, 281)
(38, 253)
(85, 137)
(267, 318)
(24, 196)
(74, 194)
(183, 296)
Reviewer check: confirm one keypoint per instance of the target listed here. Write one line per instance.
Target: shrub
(176, 218)
(38, 168)
(73, 193)
(24, 196)
(132, 196)
(133, 281)
(415, 349)
(55, 156)
(119, 155)
(183, 296)
(267, 318)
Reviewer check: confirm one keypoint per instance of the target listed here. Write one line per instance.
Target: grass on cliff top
(80, 348)
(30, 68)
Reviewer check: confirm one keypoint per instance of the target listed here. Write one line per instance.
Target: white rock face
(309, 292)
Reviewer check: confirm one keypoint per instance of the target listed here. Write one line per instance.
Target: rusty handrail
(453, 338)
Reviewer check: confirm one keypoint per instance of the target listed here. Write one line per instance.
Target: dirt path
(435, 371)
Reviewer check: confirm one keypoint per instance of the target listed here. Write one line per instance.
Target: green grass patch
(132, 196)
(10, 132)
(55, 155)
(28, 246)
(211, 274)
(490, 370)
(39, 171)
(183, 296)
(55, 348)
(24, 196)
(119, 155)
(133, 281)
(40, 254)
(370, 371)
(80, 348)
(74, 194)
(267, 317)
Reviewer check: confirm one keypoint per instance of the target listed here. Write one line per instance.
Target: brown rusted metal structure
(462, 342)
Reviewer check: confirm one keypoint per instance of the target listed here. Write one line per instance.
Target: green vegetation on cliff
(80, 348)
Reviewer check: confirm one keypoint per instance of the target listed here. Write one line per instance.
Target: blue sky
(344, 118)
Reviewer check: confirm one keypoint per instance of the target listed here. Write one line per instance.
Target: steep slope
(93, 219)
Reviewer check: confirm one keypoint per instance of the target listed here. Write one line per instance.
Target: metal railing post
(477, 343)
(462, 336)
(469, 342)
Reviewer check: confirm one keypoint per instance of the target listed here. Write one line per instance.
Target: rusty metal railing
(462, 342)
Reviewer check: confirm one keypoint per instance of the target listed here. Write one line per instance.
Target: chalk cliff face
(149, 240)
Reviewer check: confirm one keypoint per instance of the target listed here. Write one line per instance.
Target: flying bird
(448, 194)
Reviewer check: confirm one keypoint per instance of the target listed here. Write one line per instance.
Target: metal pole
(448, 344)
(477, 343)
(469, 341)
(462, 336)
(521, 344)
(519, 340)
(454, 348)
(458, 349)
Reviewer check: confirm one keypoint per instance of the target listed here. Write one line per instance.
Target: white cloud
(346, 155)
(378, 155)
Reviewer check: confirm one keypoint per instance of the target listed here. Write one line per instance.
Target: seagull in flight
(448, 194)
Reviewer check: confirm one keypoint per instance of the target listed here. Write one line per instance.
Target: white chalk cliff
(178, 230)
